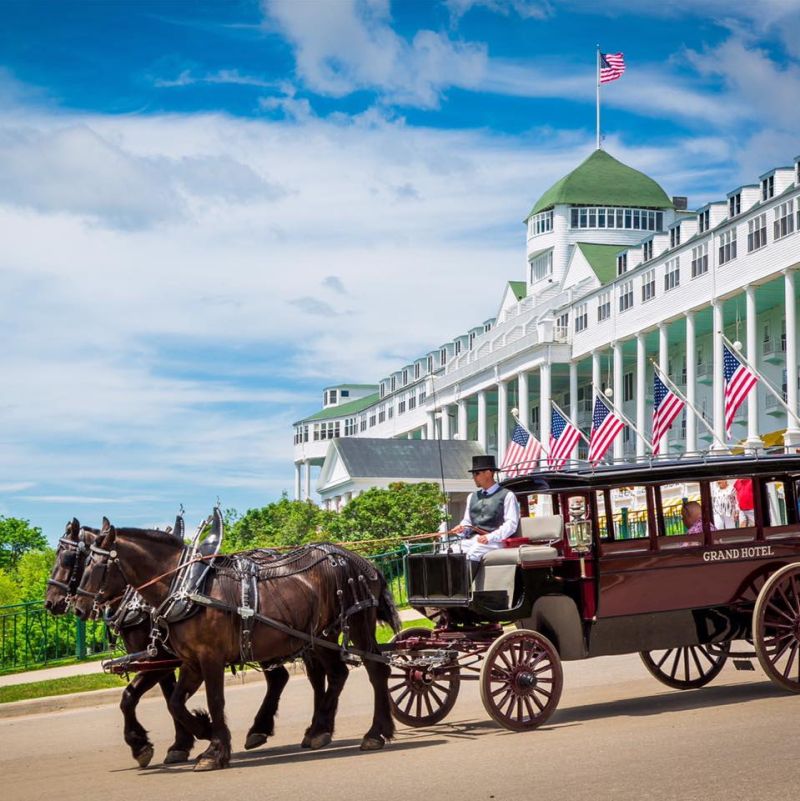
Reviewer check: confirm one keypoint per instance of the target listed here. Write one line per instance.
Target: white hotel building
(618, 274)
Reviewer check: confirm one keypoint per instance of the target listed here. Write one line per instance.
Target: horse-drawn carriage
(613, 567)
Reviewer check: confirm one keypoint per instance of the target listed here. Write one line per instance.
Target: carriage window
(629, 513)
(681, 509)
(602, 518)
(775, 510)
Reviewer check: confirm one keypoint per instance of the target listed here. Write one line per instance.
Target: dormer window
(704, 221)
(647, 250)
(458, 347)
(487, 327)
(622, 263)
(394, 383)
(540, 223)
(675, 236)
(768, 187)
(430, 364)
(405, 376)
(735, 204)
(332, 396)
(443, 357)
(471, 339)
(416, 370)
(383, 389)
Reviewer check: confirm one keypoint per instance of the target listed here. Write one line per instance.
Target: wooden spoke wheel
(687, 668)
(521, 680)
(420, 696)
(776, 628)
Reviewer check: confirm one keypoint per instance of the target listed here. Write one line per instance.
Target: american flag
(666, 407)
(563, 439)
(605, 427)
(522, 453)
(739, 380)
(612, 65)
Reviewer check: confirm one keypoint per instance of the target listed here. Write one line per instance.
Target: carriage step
(743, 664)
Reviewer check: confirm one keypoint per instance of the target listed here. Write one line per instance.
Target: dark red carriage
(607, 566)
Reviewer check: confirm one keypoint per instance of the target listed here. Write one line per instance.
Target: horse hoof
(207, 763)
(306, 742)
(174, 757)
(320, 741)
(144, 756)
(254, 740)
(372, 743)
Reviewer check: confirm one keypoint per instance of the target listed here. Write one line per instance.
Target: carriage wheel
(776, 628)
(420, 697)
(521, 680)
(687, 668)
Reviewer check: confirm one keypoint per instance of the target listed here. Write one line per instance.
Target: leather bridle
(109, 558)
(70, 586)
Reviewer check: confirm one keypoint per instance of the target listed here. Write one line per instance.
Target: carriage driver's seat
(537, 536)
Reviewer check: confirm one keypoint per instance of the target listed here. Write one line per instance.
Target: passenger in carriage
(491, 508)
(692, 514)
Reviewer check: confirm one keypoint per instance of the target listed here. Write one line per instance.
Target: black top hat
(483, 462)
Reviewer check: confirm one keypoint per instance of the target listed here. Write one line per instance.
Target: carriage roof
(692, 468)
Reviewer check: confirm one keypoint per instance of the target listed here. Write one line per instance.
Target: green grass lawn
(63, 686)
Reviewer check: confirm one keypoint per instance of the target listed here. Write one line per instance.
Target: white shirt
(510, 515)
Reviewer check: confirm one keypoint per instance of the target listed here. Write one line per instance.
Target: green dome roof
(601, 180)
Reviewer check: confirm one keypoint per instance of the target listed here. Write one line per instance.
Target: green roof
(602, 259)
(343, 409)
(519, 288)
(601, 180)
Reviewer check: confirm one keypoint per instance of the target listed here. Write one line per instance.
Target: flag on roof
(666, 407)
(612, 66)
(523, 452)
(563, 438)
(739, 380)
(605, 427)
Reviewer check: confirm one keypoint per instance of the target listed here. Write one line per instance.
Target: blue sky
(210, 210)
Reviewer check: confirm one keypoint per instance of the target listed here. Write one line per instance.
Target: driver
(491, 514)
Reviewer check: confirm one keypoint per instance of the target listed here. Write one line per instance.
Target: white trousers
(476, 550)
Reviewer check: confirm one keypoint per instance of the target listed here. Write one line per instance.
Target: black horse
(134, 630)
(306, 591)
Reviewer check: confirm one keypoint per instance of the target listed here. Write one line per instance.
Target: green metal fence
(30, 636)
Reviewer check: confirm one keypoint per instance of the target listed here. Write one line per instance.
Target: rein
(70, 586)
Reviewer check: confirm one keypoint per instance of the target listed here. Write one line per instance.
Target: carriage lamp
(579, 536)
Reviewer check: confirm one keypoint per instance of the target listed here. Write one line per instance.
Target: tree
(17, 537)
(8, 589)
(402, 510)
(33, 570)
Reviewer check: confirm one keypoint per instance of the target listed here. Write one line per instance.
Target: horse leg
(336, 674)
(316, 675)
(135, 734)
(264, 723)
(182, 744)
(218, 753)
(198, 722)
(382, 728)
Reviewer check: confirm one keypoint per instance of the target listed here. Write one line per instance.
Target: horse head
(102, 581)
(68, 568)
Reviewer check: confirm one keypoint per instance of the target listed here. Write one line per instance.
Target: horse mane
(152, 535)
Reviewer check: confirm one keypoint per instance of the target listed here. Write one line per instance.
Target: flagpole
(617, 411)
(597, 104)
(778, 395)
(567, 417)
(665, 378)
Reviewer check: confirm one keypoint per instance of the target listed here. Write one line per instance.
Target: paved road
(618, 734)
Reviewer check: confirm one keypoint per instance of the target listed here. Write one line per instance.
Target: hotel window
(727, 246)
(382, 414)
(471, 339)
(443, 357)
(390, 411)
(700, 260)
(331, 396)
(394, 383)
(562, 324)
(401, 406)
(757, 233)
(735, 204)
(672, 276)
(627, 387)
(626, 296)
(540, 223)
(412, 402)
(704, 221)
(362, 423)
(350, 427)
(581, 317)
(675, 236)
(383, 389)
(647, 250)
(622, 263)
(430, 364)
(422, 396)
(417, 370)
(405, 377)
(603, 307)
(768, 187)
(784, 220)
(541, 266)
(372, 419)
(797, 173)
(635, 219)
(649, 285)
(487, 327)
(458, 347)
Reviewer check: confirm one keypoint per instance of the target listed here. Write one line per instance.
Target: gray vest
(488, 513)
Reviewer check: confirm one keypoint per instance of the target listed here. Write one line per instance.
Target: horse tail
(387, 611)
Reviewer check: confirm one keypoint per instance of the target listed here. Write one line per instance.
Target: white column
(523, 401)
(430, 432)
(619, 444)
(298, 466)
(545, 396)
(502, 419)
(719, 387)
(483, 434)
(462, 419)
(792, 437)
(573, 400)
(596, 376)
(308, 480)
(445, 422)
(753, 439)
(641, 390)
(663, 364)
(691, 383)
